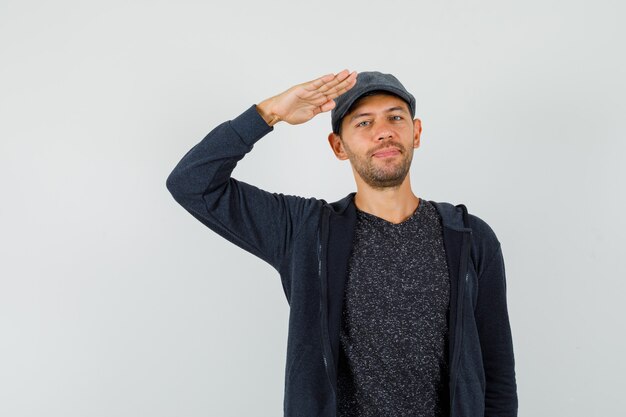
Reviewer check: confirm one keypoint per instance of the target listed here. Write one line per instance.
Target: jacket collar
(452, 216)
(340, 206)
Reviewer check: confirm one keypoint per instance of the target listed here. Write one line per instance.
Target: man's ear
(337, 146)
(417, 131)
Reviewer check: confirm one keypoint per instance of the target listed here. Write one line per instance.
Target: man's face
(378, 137)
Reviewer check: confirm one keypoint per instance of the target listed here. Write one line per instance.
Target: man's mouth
(384, 153)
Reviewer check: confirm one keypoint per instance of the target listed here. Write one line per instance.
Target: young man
(397, 304)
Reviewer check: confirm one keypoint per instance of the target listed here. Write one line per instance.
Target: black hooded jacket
(308, 242)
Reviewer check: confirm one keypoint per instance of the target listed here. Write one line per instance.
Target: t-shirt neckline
(375, 218)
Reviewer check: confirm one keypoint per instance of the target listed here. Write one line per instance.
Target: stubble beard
(383, 173)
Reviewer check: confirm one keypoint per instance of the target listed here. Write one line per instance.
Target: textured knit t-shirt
(394, 330)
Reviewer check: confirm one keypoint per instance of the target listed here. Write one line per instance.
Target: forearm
(258, 221)
(261, 222)
(209, 164)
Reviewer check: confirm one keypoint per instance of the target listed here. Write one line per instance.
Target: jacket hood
(452, 216)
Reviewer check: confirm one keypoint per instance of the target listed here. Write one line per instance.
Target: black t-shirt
(394, 331)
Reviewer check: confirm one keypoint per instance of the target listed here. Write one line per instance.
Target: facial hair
(385, 172)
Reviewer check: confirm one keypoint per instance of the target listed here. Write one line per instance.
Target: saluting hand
(304, 101)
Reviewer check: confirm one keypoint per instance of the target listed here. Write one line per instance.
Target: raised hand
(304, 101)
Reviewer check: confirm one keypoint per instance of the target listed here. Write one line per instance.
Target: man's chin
(382, 175)
(392, 181)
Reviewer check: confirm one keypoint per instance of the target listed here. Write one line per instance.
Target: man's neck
(392, 204)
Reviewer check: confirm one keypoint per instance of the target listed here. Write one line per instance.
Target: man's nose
(383, 131)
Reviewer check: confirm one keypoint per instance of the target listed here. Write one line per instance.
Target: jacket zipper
(463, 272)
(323, 296)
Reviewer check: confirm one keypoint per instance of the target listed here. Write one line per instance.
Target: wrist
(265, 110)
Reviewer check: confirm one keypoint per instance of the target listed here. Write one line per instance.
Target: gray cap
(366, 82)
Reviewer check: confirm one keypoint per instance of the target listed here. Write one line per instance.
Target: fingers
(319, 82)
(328, 87)
(320, 93)
(340, 77)
(329, 105)
(328, 84)
(342, 87)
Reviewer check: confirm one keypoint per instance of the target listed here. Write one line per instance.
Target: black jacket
(308, 241)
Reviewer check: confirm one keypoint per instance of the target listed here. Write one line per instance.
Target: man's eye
(396, 117)
(363, 123)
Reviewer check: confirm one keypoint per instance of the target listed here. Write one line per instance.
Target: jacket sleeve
(495, 338)
(262, 223)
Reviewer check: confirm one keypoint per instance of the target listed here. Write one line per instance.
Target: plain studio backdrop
(114, 301)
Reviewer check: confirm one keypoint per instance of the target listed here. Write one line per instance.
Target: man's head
(374, 128)
(368, 82)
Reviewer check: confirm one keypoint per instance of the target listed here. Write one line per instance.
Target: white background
(114, 301)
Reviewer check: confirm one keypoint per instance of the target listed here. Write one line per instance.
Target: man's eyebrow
(390, 109)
